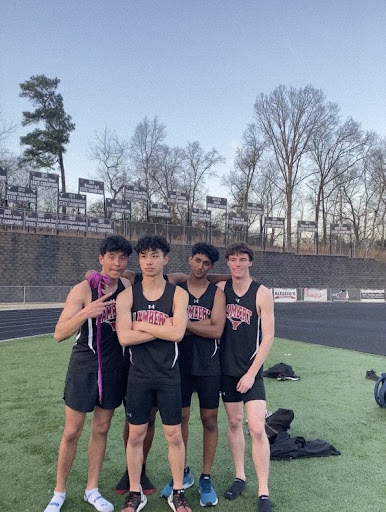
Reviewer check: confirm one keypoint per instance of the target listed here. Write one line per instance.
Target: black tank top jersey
(199, 355)
(156, 359)
(126, 353)
(139, 276)
(84, 353)
(242, 334)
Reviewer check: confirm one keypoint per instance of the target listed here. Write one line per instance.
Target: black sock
(205, 475)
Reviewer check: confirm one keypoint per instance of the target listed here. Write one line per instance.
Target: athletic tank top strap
(138, 277)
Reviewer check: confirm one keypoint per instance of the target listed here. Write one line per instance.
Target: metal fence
(58, 294)
(219, 236)
(33, 294)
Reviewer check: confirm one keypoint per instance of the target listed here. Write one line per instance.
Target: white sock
(94, 497)
(56, 502)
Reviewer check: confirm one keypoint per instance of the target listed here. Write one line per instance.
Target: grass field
(332, 401)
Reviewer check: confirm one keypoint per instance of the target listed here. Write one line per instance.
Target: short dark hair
(208, 249)
(239, 248)
(115, 243)
(152, 243)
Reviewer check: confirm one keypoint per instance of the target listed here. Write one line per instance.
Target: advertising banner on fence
(285, 294)
(91, 186)
(71, 200)
(339, 295)
(117, 206)
(201, 215)
(178, 198)
(71, 222)
(43, 179)
(100, 225)
(11, 217)
(17, 193)
(372, 295)
(40, 220)
(315, 295)
(135, 193)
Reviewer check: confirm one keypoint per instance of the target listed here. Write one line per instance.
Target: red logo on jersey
(238, 314)
(150, 316)
(198, 312)
(109, 314)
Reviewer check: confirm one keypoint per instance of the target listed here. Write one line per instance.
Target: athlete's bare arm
(176, 331)
(124, 324)
(264, 305)
(217, 278)
(214, 326)
(77, 309)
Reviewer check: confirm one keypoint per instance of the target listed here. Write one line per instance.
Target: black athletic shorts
(81, 390)
(207, 387)
(142, 395)
(230, 394)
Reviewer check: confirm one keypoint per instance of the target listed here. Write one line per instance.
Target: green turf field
(332, 401)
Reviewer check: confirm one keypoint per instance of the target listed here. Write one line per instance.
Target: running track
(349, 325)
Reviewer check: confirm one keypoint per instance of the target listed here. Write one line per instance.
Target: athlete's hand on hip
(97, 307)
(245, 383)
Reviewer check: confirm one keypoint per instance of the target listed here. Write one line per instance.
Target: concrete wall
(45, 260)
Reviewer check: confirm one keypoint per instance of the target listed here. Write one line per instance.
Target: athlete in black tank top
(242, 334)
(157, 359)
(246, 342)
(92, 383)
(84, 352)
(153, 314)
(200, 355)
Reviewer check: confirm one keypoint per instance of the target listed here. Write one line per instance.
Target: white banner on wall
(372, 295)
(339, 295)
(285, 294)
(315, 295)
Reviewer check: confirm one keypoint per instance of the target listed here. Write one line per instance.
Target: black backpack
(279, 370)
(380, 390)
(277, 422)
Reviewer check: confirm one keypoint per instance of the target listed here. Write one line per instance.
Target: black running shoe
(264, 504)
(235, 489)
(370, 374)
(123, 485)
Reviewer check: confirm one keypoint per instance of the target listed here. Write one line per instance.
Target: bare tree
(287, 119)
(197, 168)
(169, 166)
(144, 146)
(6, 129)
(242, 180)
(112, 157)
(335, 149)
(376, 167)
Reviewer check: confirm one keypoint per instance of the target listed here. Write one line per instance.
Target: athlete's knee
(257, 430)
(100, 424)
(235, 421)
(136, 435)
(71, 433)
(209, 421)
(174, 436)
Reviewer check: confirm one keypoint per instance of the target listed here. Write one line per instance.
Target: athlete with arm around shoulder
(245, 344)
(84, 390)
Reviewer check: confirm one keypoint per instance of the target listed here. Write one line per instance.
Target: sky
(198, 65)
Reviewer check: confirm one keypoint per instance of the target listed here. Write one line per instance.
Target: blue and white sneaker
(187, 482)
(208, 496)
